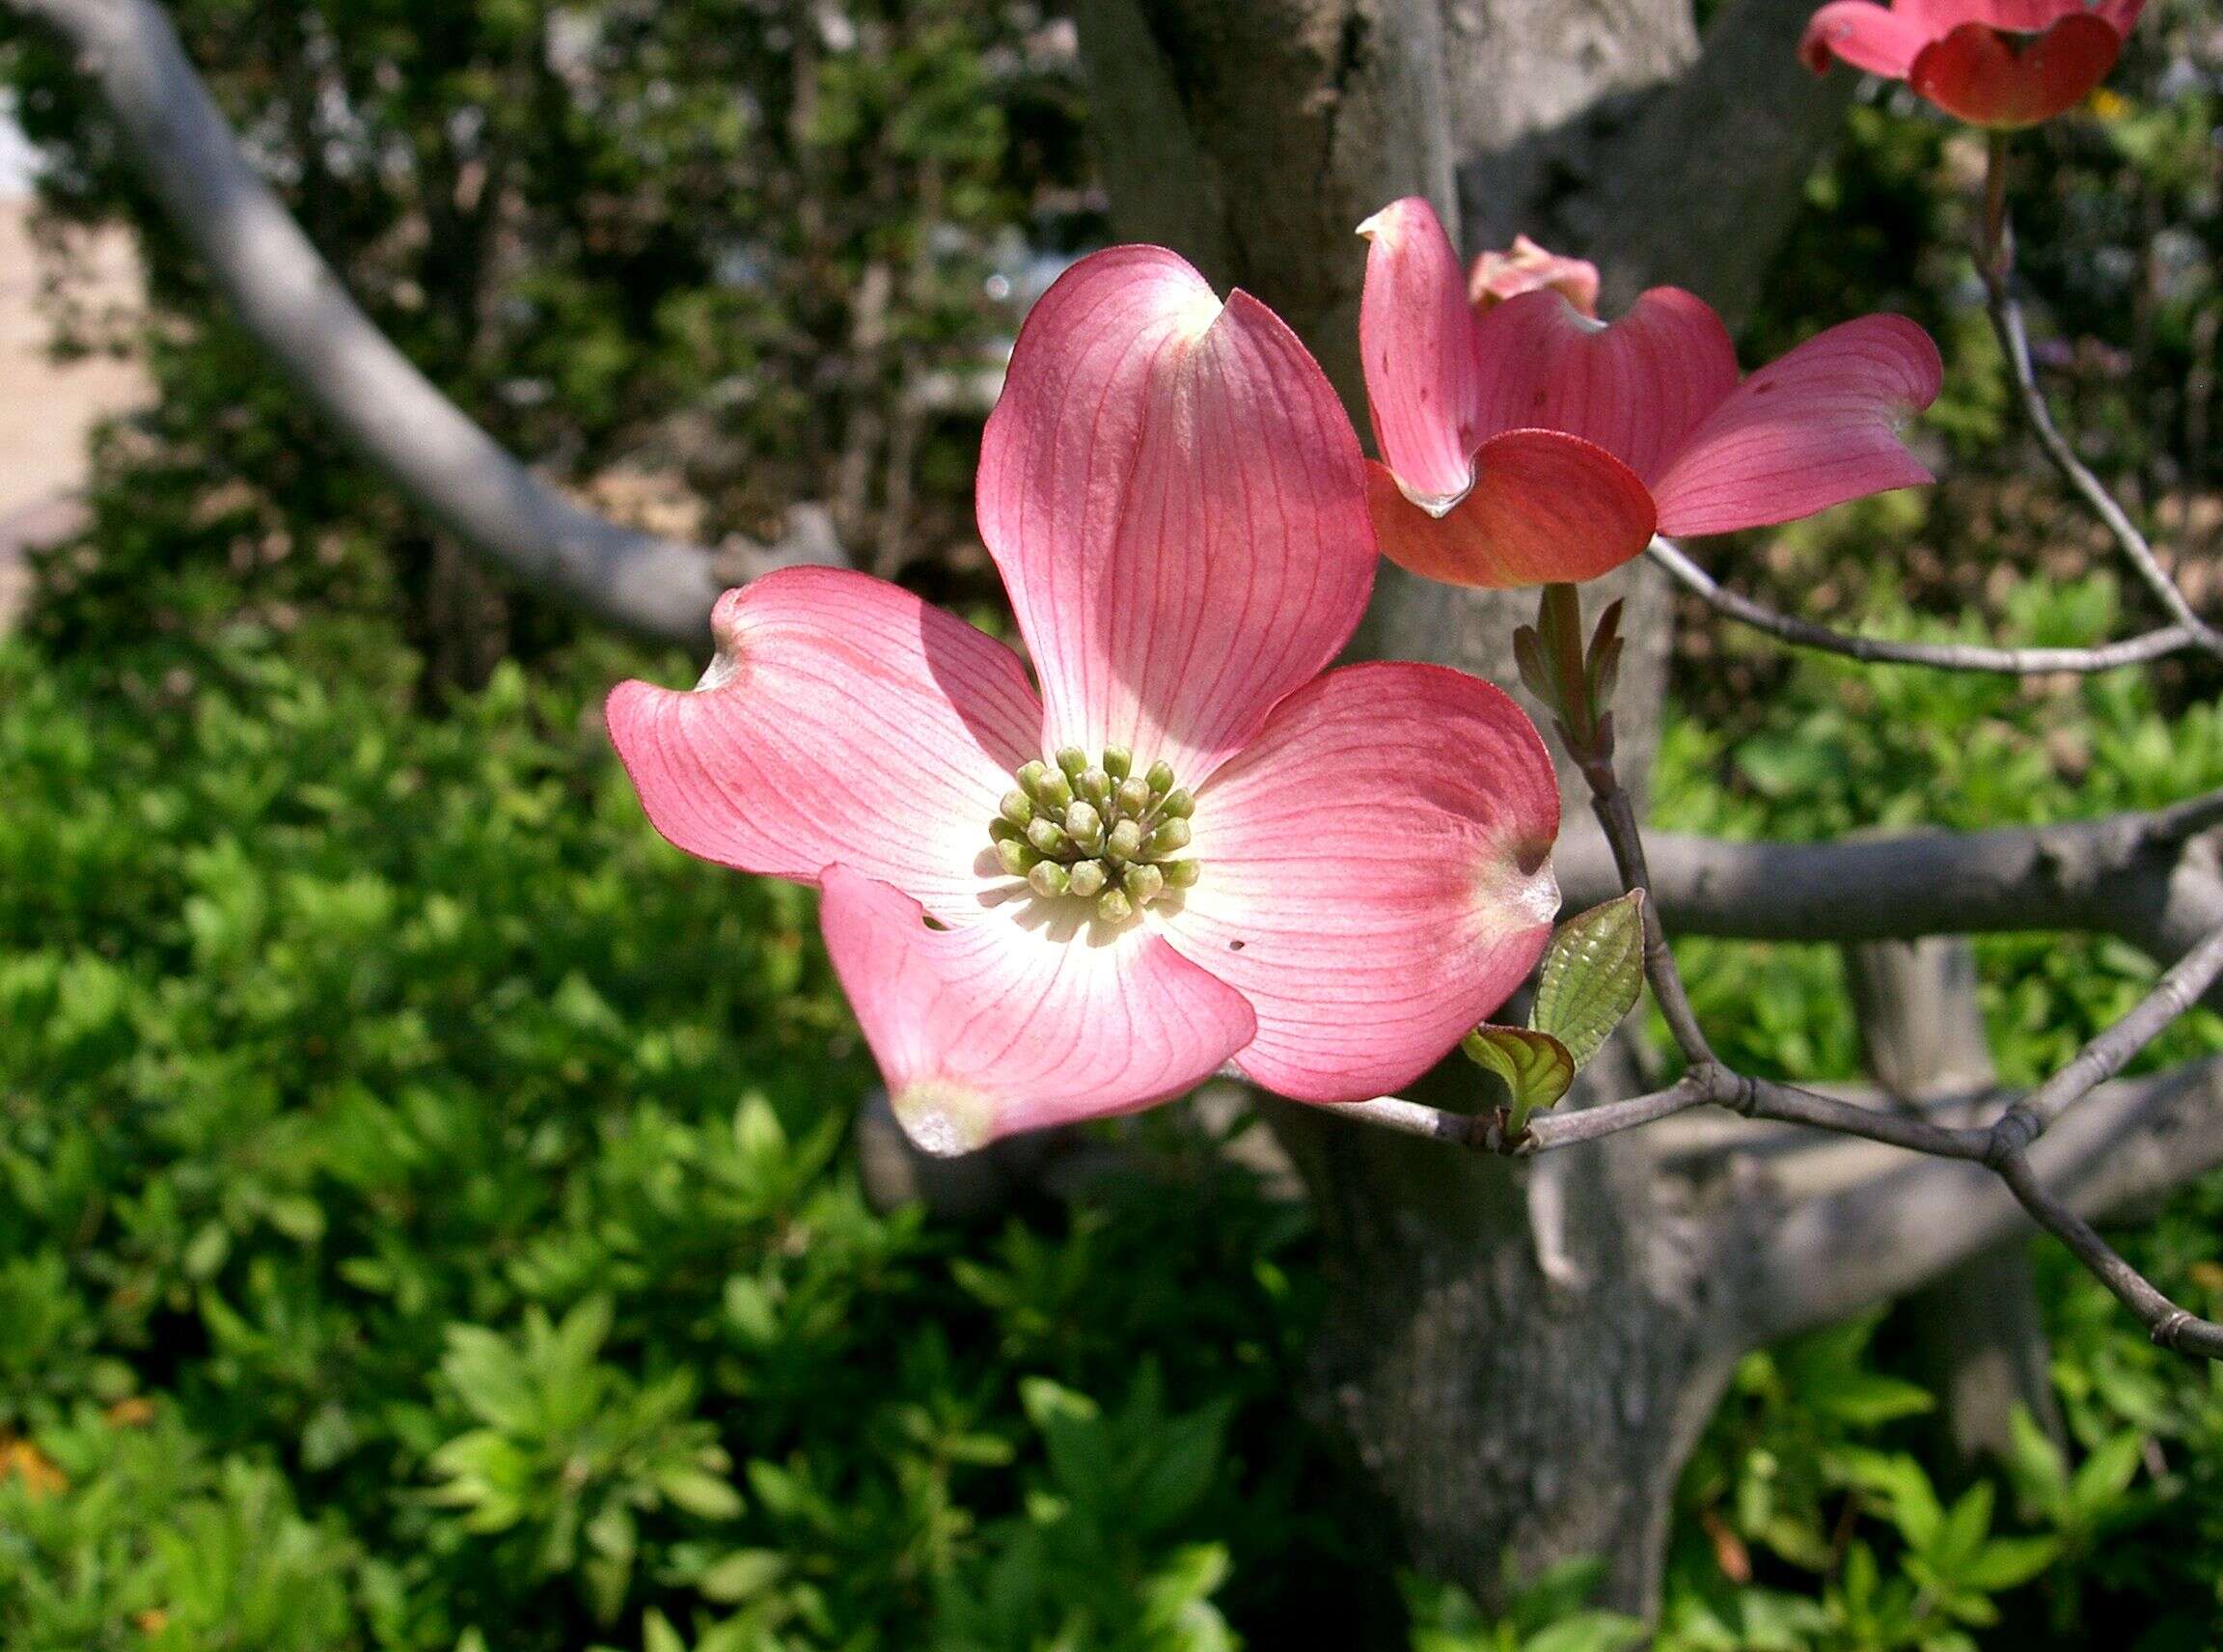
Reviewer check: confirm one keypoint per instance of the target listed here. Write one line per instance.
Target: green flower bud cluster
(1096, 830)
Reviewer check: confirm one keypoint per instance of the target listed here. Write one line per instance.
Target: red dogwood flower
(1993, 63)
(1528, 443)
(1195, 845)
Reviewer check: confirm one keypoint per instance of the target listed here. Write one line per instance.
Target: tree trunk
(1519, 1355)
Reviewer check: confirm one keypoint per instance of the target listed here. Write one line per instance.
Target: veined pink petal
(1863, 35)
(1011, 1023)
(1545, 506)
(1376, 875)
(1178, 507)
(1990, 79)
(1416, 346)
(1635, 387)
(1807, 431)
(842, 718)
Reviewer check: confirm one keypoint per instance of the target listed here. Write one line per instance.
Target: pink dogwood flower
(1197, 844)
(1528, 444)
(1993, 63)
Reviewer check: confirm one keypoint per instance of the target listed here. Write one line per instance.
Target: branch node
(2010, 1134)
(2165, 1331)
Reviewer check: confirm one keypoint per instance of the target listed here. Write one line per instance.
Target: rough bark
(1519, 1355)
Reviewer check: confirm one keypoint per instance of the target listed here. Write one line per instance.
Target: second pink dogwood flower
(1528, 443)
(1196, 846)
(1995, 63)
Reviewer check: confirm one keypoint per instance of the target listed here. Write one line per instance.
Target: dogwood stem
(1996, 251)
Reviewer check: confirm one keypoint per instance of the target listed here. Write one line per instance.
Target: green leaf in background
(1592, 974)
(1536, 1067)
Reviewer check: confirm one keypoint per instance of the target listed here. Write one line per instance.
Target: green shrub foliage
(425, 1214)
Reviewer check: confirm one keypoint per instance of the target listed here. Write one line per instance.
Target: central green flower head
(1096, 832)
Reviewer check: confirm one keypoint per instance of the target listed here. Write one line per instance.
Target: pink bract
(1993, 63)
(1179, 511)
(1529, 443)
(1527, 267)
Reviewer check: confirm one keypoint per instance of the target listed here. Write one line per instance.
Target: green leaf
(1867, 1399)
(1592, 974)
(2103, 1477)
(1536, 1067)
(1961, 1539)
(700, 1494)
(743, 1575)
(2040, 1470)
(2006, 1562)
(1588, 1632)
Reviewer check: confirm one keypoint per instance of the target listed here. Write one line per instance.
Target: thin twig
(1787, 1104)
(2169, 1325)
(1995, 263)
(2141, 650)
(2014, 340)
(1617, 818)
(1416, 1119)
(1695, 1089)
(2104, 1058)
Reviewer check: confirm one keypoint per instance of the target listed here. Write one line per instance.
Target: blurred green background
(428, 1214)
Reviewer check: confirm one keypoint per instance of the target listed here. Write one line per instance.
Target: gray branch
(292, 301)
(1938, 656)
(2114, 875)
(2015, 341)
(1883, 1236)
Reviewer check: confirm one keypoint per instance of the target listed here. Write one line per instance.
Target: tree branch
(1940, 657)
(2169, 1325)
(1883, 1236)
(2087, 875)
(294, 305)
(2104, 1056)
(2007, 323)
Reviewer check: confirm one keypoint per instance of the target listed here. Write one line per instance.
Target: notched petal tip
(1199, 312)
(1380, 877)
(1436, 505)
(1406, 211)
(945, 1119)
(1527, 886)
(1814, 429)
(1416, 348)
